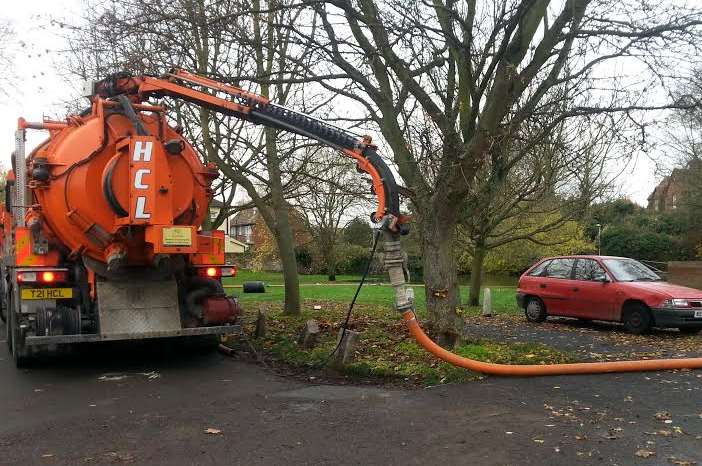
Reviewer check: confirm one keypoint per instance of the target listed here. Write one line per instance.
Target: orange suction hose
(530, 370)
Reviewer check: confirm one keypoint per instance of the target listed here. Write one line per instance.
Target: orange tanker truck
(101, 226)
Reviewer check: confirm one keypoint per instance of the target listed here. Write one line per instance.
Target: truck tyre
(535, 310)
(637, 319)
(17, 348)
(3, 301)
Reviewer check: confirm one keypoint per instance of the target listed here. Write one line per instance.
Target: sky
(39, 90)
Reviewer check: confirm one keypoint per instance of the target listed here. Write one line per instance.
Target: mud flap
(135, 307)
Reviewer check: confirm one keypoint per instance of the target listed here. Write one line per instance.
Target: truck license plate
(47, 293)
(698, 314)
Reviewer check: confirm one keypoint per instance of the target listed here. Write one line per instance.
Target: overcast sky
(39, 90)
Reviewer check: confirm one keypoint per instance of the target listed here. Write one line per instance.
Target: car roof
(584, 256)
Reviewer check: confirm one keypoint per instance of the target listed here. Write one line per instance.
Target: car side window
(539, 270)
(589, 270)
(560, 268)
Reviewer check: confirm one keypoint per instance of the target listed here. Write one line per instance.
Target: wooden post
(260, 331)
(345, 353)
(487, 303)
(309, 334)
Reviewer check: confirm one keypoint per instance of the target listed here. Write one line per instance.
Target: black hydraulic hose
(131, 114)
(299, 123)
(109, 193)
(296, 122)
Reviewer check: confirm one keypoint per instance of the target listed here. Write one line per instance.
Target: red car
(615, 289)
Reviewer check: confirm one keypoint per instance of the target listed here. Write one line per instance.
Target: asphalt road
(152, 404)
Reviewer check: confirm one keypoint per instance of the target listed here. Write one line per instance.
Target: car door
(590, 296)
(554, 286)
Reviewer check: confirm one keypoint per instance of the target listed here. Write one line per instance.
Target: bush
(352, 259)
(304, 259)
(631, 241)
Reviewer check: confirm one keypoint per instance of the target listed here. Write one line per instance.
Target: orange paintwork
(213, 243)
(23, 251)
(364, 165)
(156, 189)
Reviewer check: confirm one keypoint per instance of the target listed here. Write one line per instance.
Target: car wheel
(637, 319)
(535, 310)
(690, 330)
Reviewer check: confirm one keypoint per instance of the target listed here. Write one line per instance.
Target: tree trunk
(476, 275)
(286, 251)
(329, 255)
(331, 268)
(440, 277)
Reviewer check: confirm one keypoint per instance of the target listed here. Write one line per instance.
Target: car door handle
(542, 285)
(576, 289)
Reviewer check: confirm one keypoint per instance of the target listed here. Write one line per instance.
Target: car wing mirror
(604, 279)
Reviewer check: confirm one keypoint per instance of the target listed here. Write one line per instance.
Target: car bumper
(521, 299)
(676, 318)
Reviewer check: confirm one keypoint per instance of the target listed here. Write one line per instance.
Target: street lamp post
(599, 239)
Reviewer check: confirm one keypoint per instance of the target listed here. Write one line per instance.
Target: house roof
(216, 203)
(245, 217)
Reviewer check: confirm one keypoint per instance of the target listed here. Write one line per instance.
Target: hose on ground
(531, 370)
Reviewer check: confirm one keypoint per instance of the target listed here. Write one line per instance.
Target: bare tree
(330, 193)
(534, 187)
(457, 74)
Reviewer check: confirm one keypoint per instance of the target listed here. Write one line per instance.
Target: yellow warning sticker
(177, 236)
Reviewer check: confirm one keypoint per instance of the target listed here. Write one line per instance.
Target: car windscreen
(629, 270)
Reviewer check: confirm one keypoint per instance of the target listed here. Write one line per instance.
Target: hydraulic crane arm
(231, 100)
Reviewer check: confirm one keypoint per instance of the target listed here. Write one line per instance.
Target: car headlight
(676, 302)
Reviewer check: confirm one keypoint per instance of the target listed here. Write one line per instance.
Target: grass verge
(317, 288)
(385, 351)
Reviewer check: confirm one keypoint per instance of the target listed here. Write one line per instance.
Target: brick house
(671, 191)
(232, 245)
(242, 224)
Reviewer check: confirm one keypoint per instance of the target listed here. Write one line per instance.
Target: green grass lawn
(385, 349)
(318, 288)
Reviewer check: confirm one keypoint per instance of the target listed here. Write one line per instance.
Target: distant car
(616, 289)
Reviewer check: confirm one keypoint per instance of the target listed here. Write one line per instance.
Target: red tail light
(216, 271)
(42, 276)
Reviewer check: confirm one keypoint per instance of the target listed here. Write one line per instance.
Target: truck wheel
(690, 330)
(8, 336)
(535, 310)
(17, 348)
(637, 319)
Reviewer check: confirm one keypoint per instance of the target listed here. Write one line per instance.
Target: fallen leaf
(663, 416)
(645, 453)
(681, 462)
(212, 430)
(111, 378)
